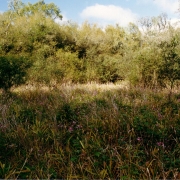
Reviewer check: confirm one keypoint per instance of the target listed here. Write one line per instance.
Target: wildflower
(78, 126)
(74, 122)
(139, 139)
(70, 129)
(160, 144)
(61, 126)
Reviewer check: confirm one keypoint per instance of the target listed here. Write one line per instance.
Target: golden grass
(89, 131)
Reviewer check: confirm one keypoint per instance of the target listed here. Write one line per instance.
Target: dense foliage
(13, 71)
(82, 53)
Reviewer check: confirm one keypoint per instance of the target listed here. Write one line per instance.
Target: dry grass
(89, 131)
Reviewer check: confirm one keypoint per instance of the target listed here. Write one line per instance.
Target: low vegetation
(89, 131)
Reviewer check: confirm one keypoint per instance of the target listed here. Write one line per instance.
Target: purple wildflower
(160, 144)
(70, 129)
(139, 139)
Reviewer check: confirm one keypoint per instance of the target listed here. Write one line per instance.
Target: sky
(104, 12)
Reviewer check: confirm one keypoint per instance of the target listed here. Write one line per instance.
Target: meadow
(90, 131)
(55, 124)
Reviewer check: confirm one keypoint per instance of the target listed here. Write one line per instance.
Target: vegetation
(98, 103)
(69, 52)
(13, 71)
(89, 131)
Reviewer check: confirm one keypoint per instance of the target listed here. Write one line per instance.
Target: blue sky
(106, 12)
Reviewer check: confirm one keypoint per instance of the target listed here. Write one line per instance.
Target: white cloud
(175, 22)
(109, 14)
(64, 20)
(167, 5)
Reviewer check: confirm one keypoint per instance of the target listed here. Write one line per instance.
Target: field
(89, 131)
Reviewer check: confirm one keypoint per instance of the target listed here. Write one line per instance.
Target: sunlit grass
(89, 131)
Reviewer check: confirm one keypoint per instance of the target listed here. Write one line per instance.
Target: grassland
(89, 132)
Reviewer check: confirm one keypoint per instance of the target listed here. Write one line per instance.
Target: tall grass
(89, 131)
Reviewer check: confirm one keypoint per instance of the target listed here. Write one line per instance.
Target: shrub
(13, 71)
(109, 69)
(169, 70)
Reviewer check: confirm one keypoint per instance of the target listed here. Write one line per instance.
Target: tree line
(35, 48)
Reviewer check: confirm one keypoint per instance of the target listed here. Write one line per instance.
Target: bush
(169, 71)
(13, 71)
(109, 69)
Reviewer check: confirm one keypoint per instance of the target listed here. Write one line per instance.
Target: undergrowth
(89, 132)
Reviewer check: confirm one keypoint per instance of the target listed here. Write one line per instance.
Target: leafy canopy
(49, 10)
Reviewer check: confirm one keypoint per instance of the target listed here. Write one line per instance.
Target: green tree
(48, 10)
(147, 62)
(13, 71)
(169, 70)
(108, 69)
